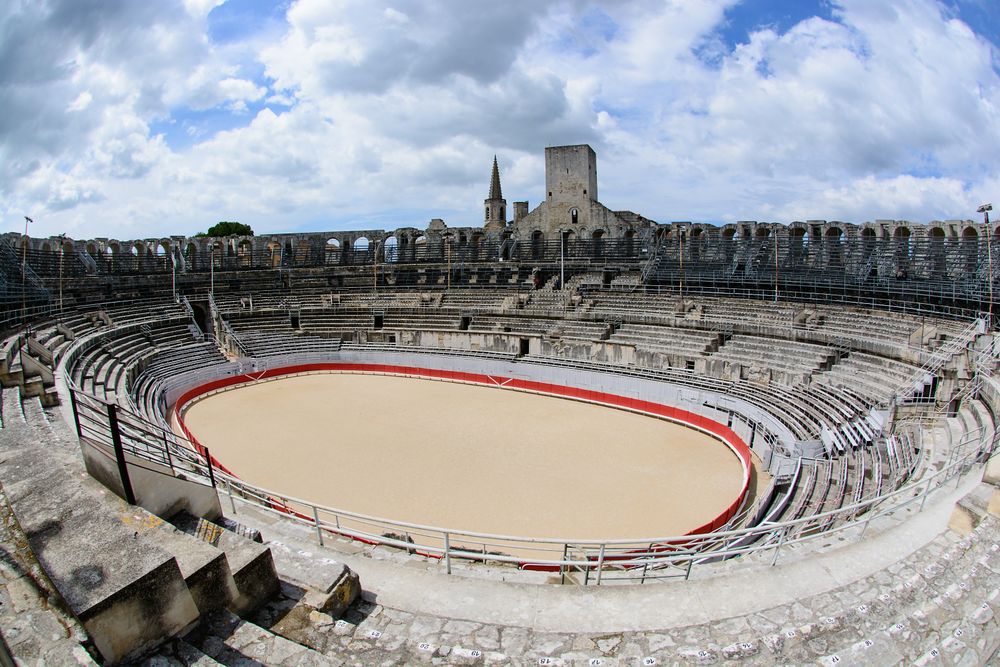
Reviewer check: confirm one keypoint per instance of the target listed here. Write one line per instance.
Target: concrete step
(127, 592)
(178, 653)
(229, 640)
(251, 563)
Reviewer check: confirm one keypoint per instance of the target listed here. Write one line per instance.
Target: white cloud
(81, 102)
(393, 113)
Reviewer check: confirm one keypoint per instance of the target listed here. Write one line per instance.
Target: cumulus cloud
(125, 117)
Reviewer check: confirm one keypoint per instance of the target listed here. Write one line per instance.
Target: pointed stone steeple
(496, 205)
(495, 192)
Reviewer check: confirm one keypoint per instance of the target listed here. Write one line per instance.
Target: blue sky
(137, 120)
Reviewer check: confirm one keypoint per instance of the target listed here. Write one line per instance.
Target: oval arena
(635, 443)
(443, 450)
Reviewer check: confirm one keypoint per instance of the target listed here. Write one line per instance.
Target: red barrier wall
(699, 422)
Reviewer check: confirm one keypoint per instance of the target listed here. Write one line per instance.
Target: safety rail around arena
(635, 560)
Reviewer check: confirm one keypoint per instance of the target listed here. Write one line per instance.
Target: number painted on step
(649, 662)
(546, 661)
(424, 646)
(374, 634)
(595, 662)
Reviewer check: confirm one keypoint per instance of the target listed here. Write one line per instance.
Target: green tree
(228, 228)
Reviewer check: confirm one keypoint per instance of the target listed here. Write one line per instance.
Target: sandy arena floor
(468, 457)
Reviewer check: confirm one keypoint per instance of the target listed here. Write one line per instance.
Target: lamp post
(985, 210)
(447, 252)
(562, 259)
(211, 269)
(62, 254)
(24, 268)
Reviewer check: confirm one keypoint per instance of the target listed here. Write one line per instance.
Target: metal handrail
(327, 520)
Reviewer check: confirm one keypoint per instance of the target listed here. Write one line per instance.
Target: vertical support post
(319, 531)
(116, 440)
(600, 564)
(76, 413)
(166, 453)
(208, 461)
(447, 553)
(927, 491)
(229, 491)
(777, 548)
(562, 565)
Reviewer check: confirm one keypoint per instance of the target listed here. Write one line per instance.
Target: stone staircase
(127, 579)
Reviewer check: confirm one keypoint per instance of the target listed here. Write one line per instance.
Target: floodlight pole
(776, 266)
(211, 269)
(62, 254)
(447, 251)
(985, 210)
(562, 259)
(24, 267)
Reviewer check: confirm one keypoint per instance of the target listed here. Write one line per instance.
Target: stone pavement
(911, 594)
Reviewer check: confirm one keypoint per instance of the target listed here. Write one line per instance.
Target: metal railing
(636, 559)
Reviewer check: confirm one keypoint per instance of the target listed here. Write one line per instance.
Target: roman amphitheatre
(570, 435)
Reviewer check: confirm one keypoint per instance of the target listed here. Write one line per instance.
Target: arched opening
(332, 251)
(574, 216)
(92, 250)
(537, 244)
(420, 247)
(696, 240)
(360, 251)
(391, 249)
(244, 253)
(46, 247)
(162, 248)
(936, 251)
(970, 249)
(274, 254)
(476, 246)
(216, 251)
(628, 242)
(835, 253)
(867, 243)
(597, 243)
(729, 242)
(505, 247)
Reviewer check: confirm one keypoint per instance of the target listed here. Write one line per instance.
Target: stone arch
(628, 242)
(91, 249)
(537, 244)
(420, 247)
(833, 239)
(597, 242)
(391, 249)
(162, 249)
(574, 216)
(244, 253)
(970, 249)
(331, 250)
(273, 249)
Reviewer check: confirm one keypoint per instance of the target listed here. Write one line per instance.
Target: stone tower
(571, 175)
(496, 205)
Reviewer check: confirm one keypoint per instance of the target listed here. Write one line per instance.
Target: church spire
(495, 181)
(496, 205)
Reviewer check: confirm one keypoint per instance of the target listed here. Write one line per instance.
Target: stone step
(127, 592)
(230, 640)
(251, 563)
(178, 653)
